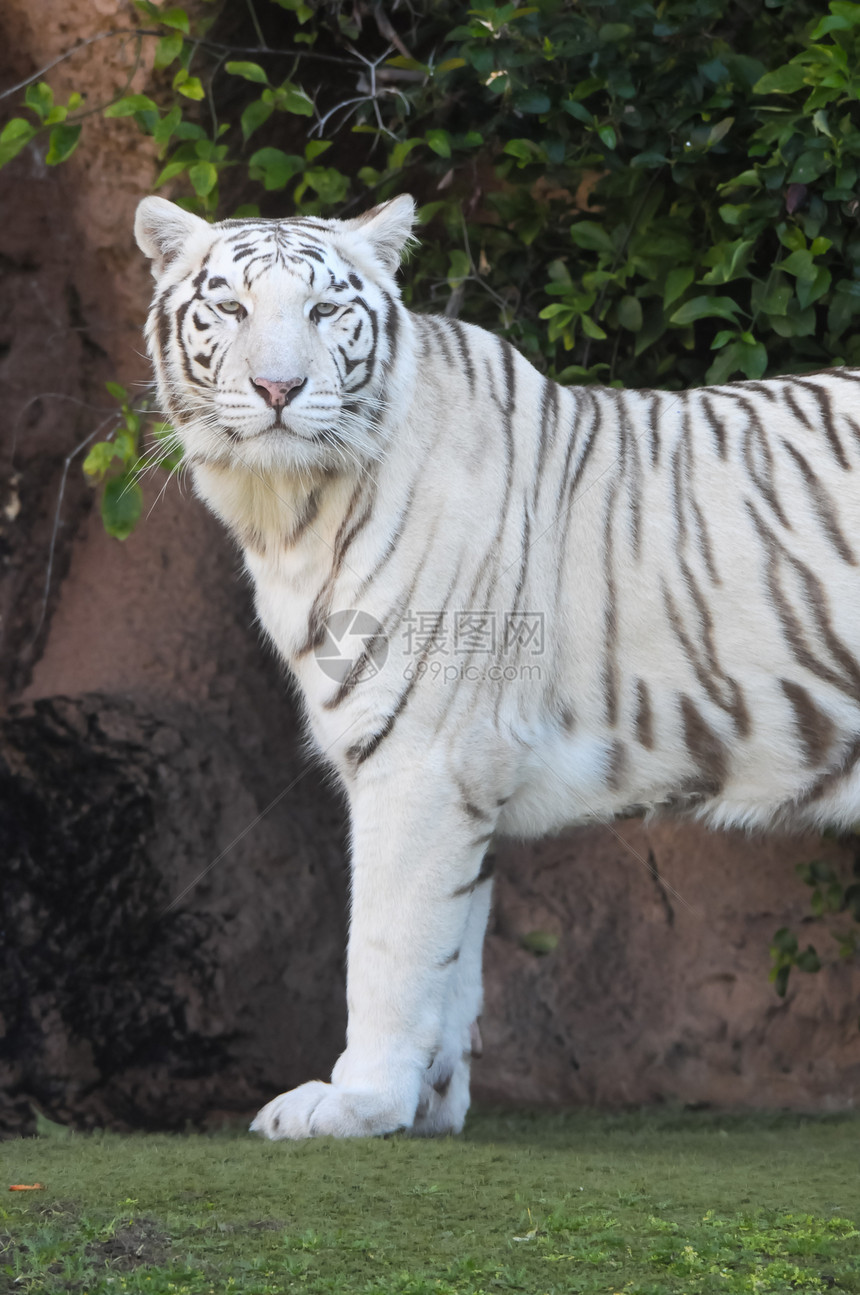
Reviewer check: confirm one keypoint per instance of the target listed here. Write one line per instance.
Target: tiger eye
(232, 308)
(322, 309)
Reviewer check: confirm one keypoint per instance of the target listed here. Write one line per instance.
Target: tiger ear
(162, 230)
(388, 229)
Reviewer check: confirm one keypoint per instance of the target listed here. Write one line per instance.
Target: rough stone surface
(658, 987)
(150, 752)
(146, 980)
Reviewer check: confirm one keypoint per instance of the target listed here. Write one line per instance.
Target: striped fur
(694, 556)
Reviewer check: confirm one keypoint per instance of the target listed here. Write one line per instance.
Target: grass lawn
(543, 1203)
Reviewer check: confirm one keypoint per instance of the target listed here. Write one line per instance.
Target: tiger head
(273, 340)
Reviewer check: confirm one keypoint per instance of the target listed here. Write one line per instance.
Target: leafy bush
(616, 188)
(832, 896)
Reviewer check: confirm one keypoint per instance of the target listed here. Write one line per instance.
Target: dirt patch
(136, 1245)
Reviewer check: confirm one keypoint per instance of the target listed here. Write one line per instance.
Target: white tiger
(593, 601)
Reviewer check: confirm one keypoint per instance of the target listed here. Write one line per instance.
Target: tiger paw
(317, 1110)
(444, 1099)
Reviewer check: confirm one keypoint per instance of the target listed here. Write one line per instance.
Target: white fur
(676, 546)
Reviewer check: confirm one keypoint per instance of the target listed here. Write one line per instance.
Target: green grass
(680, 1203)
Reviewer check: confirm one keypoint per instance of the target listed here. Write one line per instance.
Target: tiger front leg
(419, 906)
(444, 1098)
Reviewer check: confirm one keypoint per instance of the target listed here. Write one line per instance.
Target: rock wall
(173, 893)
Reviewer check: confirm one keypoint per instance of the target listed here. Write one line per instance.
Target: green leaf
(448, 65)
(316, 147)
(170, 172)
(808, 960)
(192, 88)
(591, 329)
(792, 237)
(773, 299)
(121, 506)
(131, 104)
(841, 18)
(795, 322)
(559, 274)
(177, 18)
(726, 364)
(302, 11)
(613, 32)
(808, 167)
(578, 110)
(119, 393)
(810, 290)
(630, 313)
(425, 213)
(329, 184)
(677, 283)
(731, 214)
(785, 80)
(204, 177)
(274, 167)
(591, 236)
(820, 122)
(524, 150)
(40, 98)
(402, 60)
(189, 130)
(784, 942)
(720, 131)
(753, 360)
(705, 308)
(728, 260)
(63, 141)
(163, 132)
(534, 101)
(745, 180)
(459, 266)
(800, 264)
(99, 459)
(539, 943)
(439, 141)
(401, 151)
(648, 160)
(254, 116)
(125, 443)
(607, 136)
(168, 49)
(16, 134)
(249, 71)
(291, 98)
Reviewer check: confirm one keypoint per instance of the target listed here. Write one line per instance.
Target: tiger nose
(276, 393)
